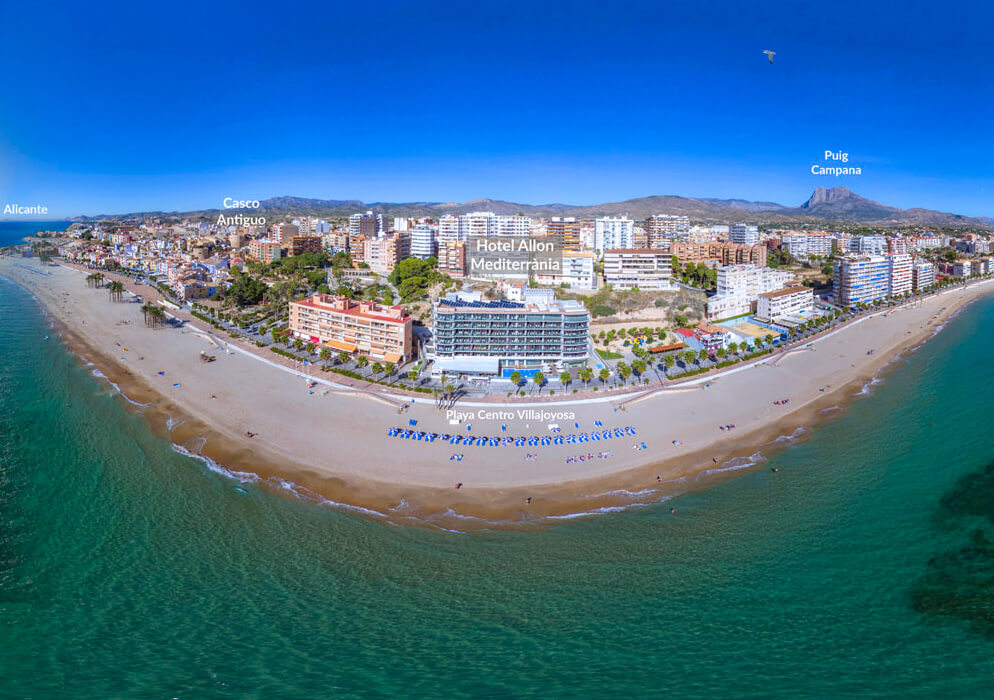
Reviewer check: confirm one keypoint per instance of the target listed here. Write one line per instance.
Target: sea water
(862, 566)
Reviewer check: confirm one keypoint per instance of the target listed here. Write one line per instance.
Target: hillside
(825, 206)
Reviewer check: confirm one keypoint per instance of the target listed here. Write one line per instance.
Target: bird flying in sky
(769, 55)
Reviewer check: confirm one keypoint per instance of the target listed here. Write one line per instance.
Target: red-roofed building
(383, 332)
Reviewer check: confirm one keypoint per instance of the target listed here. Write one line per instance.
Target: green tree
(389, 368)
(604, 375)
(585, 374)
(412, 375)
(565, 378)
(539, 380)
(362, 361)
(625, 371)
(516, 378)
(669, 360)
(377, 368)
(325, 355)
(343, 357)
(689, 356)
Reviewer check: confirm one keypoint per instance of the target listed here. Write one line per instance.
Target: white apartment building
(860, 279)
(577, 271)
(448, 229)
(774, 306)
(739, 286)
(423, 240)
(368, 224)
(744, 234)
(962, 268)
(613, 232)
(929, 242)
(638, 268)
(802, 245)
(922, 275)
(868, 245)
(899, 274)
(481, 223)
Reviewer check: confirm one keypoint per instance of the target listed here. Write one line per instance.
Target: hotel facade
(498, 337)
(861, 279)
(774, 306)
(382, 332)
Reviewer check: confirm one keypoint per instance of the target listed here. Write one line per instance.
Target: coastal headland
(254, 418)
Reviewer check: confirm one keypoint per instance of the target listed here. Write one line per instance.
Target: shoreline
(419, 491)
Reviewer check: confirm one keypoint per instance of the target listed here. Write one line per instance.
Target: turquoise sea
(864, 566)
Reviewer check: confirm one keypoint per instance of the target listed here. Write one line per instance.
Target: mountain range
(837, 204)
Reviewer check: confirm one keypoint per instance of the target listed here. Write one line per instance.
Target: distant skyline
(116, 108)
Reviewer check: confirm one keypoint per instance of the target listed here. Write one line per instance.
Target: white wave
(97, 373)
(625, 492)
(241, 477)
(736, 464)
(604, 510)
(793, 436)
(868, 386)
(173, 423)
(830, 409)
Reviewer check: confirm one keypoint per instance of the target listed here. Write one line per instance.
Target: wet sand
(330, 446)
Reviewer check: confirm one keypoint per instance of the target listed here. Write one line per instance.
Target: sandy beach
(330, 442)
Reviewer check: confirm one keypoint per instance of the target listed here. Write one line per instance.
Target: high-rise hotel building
(861, 279)
(662, 228)
(499, 337)
(383, 332)
(565, 231)
(613, 232)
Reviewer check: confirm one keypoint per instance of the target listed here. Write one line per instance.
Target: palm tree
(325, 355)
(639, 366)
(298, 345)
(389, 368)
(604, 375)
(98, 279)
(733, 348)
(158, 316)
(115, 290)
(362, 361)
(145, 309)
(668, 361)
(377, 368)
(769, 339)
(538, 379)
(565, 378)
(516, 378)
(689, 357)
(412, 375)
(625, 371)
(585, 374)
(721, 353)
(309, 348)
(343, 357)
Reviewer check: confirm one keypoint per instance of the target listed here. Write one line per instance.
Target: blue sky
(113, 107)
